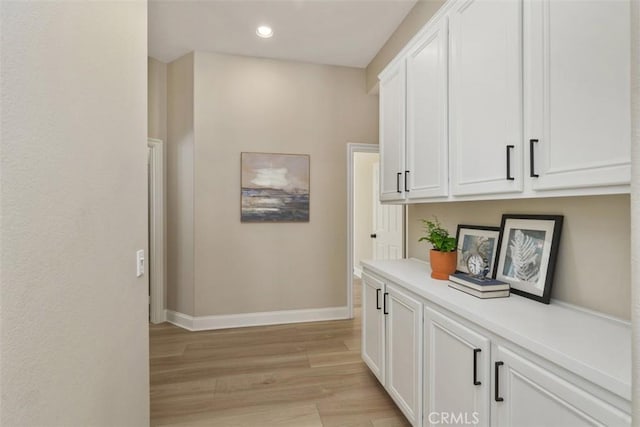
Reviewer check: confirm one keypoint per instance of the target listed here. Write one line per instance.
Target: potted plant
(443, 257)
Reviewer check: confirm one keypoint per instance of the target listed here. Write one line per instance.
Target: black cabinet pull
(373, 236)
(475, 366)
(378, 299)
(398, 182)
(509, 148)
(406, 187)
(384, 303)
(497, 395)
(532, 168)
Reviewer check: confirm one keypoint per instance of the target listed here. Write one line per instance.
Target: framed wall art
(274, 187)
(528, 252)
(477, 240)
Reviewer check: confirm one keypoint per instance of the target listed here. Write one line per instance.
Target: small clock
(477, 266)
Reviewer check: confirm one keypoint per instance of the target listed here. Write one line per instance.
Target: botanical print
(524, 255)
(475, 245)
(275, 188)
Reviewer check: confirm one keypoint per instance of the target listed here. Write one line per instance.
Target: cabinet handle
(497, 381)
(475, 366)
(384, 303)
(406, 187)
(398, 182)
(532, 168)
(509, 148)
(378, 299)
(373, 236)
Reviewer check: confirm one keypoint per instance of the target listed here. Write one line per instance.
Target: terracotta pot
(442, 264)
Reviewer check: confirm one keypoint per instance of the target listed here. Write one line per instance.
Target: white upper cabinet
(486, 97)
(392, 134)
(577, 90)
(509, 99)
(427, 139)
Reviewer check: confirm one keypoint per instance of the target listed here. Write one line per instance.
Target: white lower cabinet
(373, 325)
(525, 394)
(457, 367)
(441, 368)
(392, 343)
(404, 352)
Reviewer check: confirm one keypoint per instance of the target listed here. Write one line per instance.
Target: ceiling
(335, 32)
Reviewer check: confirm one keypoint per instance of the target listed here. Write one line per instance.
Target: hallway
(306, 374)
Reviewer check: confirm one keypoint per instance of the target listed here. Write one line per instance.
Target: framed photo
(275, 187)
(477, 240)
(528, 252)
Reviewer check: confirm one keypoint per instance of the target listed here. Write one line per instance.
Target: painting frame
(476, 231)
(275, 187)
(535, 239)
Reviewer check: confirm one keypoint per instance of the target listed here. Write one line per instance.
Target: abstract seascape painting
(275, 187)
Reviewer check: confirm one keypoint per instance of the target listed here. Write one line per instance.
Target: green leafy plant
(438, 236)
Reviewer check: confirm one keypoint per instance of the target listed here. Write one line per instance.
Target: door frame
(352, 148)
(157, 312)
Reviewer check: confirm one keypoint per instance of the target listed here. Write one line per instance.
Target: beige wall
(412, 23)
(180, 186)
(593, 268)
(74, 336)
(157, 99)
(251, 104)
(363, 206)
(635, 206)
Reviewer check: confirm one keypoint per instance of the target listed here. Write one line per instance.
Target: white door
(577, 92)
(388, 223)
(457, 367)
(373, 325)
(529, 395)
(404, 352)
(427, 171)
(392, 134)
(486, 97)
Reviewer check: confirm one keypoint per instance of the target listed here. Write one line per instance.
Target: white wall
(363, 206)
(74, 337)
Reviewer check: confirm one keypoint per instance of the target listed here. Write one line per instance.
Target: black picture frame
(527, 254)
(481, 231)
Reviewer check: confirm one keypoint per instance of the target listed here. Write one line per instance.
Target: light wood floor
(305, 374)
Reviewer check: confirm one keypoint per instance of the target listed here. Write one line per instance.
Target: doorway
(156, 263)
(374, 230)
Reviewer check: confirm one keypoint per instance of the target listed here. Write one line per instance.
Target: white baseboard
(224, 321)
(357, 271)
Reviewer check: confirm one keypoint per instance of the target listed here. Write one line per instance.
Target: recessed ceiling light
(264, 31)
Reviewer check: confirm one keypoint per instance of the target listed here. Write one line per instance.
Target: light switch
(140, 263)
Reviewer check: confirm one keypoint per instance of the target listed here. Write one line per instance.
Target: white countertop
(593, 347)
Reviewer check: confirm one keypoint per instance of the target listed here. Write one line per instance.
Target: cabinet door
(533, 396)
(373, 325)
(392, 134)
(457, 367)
(486, 97)
(404, 352)
(427, 103)
(577, 91)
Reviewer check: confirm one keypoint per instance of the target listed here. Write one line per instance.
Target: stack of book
(481, 288)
